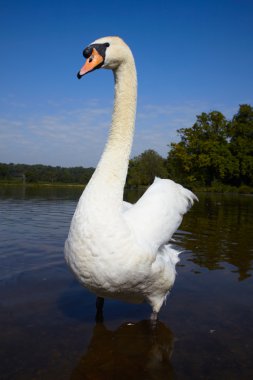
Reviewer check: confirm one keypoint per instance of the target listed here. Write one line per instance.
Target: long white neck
(111, 171)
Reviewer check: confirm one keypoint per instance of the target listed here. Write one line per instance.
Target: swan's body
(116, 249)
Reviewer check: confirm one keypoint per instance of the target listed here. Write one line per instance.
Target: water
(47, 327)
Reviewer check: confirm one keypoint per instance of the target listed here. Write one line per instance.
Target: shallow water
(47, 321)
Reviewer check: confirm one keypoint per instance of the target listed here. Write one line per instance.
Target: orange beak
(91, 63)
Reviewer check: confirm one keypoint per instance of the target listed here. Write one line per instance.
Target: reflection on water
(221, 232)
(47, 318)
(132, 351)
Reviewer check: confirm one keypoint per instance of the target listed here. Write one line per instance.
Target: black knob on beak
(87, 52)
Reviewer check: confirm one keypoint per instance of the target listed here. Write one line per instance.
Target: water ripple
(33, 234)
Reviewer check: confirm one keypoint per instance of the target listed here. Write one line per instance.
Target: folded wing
(159, 212)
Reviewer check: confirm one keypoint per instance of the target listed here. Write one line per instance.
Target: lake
(48, 329)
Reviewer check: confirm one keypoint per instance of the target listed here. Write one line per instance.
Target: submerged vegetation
(214, 154)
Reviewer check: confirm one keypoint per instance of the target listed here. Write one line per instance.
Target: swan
(116, 249)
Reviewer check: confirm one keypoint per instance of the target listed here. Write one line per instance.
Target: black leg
(99, 306)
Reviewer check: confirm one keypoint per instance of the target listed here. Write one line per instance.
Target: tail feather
(189, 195)
(170, 254)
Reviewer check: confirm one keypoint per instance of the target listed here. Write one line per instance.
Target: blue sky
(192, 56)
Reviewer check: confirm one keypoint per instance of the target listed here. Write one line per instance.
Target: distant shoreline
(41, 184)
(222, 189)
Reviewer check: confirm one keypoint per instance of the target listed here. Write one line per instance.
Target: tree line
(44, 174)
(213, 153)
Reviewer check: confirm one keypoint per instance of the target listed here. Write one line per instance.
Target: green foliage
(145, 167)
(241, 143)
(214, 151)
(42, 174)
(142, 171)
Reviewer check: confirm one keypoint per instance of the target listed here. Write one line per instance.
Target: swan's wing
(159, 212)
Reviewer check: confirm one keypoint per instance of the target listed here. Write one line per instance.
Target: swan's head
(107, 53)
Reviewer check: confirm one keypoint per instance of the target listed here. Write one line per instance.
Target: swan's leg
(156, 304)
(153, 316)
(153, 319)
(99, 306)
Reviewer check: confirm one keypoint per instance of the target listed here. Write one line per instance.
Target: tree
(203, 155)
(145, 167)
(241, 143)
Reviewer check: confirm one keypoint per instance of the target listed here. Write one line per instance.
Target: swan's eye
(87, 52)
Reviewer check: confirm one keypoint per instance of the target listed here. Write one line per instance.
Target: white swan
(116, 249)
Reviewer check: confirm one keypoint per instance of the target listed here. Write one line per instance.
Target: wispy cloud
(66, 137)
(157, 124)
(70, 134)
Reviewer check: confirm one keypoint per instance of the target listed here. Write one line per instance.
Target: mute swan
(115, 249)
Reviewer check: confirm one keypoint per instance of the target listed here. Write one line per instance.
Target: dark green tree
(241, 144)
(145, 167)
(202, 156)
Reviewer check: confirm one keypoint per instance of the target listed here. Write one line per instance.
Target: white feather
(159, 212)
